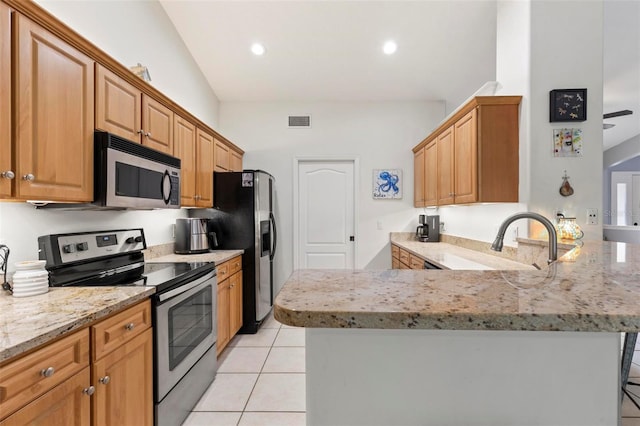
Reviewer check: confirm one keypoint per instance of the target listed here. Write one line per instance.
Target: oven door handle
(186, 287)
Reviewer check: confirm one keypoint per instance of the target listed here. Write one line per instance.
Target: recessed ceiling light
(390, 47)
(258, 49)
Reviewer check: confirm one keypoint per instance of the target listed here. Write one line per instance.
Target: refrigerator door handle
(275, 236)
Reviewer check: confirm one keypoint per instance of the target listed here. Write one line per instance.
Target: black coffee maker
(429, 229)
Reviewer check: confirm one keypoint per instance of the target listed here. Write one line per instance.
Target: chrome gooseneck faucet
(553, 238)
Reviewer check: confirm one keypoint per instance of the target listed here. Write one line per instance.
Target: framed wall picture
(568, 105)
(387, 184)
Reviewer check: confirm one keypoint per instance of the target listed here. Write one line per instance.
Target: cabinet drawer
(395, 252)
(25, 379)
(235, 265)
(415, 262)
(395, 263)
(223, 271)
(404, 256)
(112, 332)
(404, 266)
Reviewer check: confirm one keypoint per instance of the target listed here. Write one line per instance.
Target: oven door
(186, 328)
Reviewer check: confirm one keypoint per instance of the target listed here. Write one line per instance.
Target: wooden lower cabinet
(229, 301)
(65, 405)
(61, 383)
(123, 380)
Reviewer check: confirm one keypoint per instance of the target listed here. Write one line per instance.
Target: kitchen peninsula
(467, 347)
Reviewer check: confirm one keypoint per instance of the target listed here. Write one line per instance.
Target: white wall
(141, 31)
(131, 32)
(381, 135)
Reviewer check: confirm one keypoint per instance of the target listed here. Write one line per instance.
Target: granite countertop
(217, 256)
(591, 288)
(449, 256)
(28, 322)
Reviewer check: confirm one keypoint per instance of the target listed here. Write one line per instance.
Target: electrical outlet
(558, 213)
(592, 216)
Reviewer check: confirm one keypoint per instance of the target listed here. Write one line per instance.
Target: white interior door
(326, 214)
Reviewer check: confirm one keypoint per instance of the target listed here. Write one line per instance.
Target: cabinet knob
(89, 391)
(29, 177)
(105, 380)
(140, 132)
(148, 134)
(130, 326)
(47, 372)
(8, 174)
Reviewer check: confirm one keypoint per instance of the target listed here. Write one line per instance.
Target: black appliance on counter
(243, 219)
(183, 308)
(429, 229)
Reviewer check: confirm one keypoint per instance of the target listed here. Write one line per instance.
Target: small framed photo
(568, 105)
(387, 184)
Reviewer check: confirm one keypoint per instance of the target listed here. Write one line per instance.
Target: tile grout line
(258, 378)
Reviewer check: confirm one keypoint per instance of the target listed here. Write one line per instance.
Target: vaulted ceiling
(331, 51)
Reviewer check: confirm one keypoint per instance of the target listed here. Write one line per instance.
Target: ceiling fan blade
(617, 113)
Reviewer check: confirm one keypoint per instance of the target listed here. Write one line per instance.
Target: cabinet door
(235, 159)
(221, 156)
(235, 303)
(466, 159)
(431, 174)
(445, 167)
(54, 136)
(204, 169)
(5, 100)
(118, 105)
(64, 405)
(418, 178)
(124, 384)
(184, 147)
(223, 315)
(157, 123)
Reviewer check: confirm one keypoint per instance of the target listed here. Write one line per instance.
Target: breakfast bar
(499, 347)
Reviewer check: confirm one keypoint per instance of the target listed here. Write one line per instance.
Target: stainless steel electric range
(184, 307)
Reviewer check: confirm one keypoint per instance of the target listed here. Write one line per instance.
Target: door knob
(8, 174)
(89, 391)
(105, 380)
(29, 177)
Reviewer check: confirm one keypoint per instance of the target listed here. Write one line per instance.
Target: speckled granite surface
(28, 322)
(217, 256)
(450, 256)
(592, 288)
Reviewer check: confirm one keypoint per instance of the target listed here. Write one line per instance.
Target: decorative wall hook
(565, 188)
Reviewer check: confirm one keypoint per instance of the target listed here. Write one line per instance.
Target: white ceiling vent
(299, 122)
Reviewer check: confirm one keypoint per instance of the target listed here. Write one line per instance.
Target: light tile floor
(260, 381)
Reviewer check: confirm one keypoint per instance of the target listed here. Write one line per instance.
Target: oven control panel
(66, 248)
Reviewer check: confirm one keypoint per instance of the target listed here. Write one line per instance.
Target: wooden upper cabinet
(221, 156)
(418, 179)
(476, 156)
(466, 160)
(445, 154)
(6, 165)
(431, 174)
(54, 98)
(157, 122)
(235, 161)
(118, 105)
(204, 168)
(124, 110)
(184, 147)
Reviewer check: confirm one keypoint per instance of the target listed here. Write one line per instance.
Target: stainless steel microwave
(130, 175)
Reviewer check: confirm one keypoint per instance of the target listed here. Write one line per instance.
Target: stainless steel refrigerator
(242, 218)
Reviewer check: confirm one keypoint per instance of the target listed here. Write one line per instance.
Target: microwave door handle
(272, 219)
(165, 190)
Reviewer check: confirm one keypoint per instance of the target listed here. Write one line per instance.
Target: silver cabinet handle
(140, 132)
(148, 134)
(47, 372)
(8, 174)
(130, 326)
(105, 380)
(29, 177)
(89, 391)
